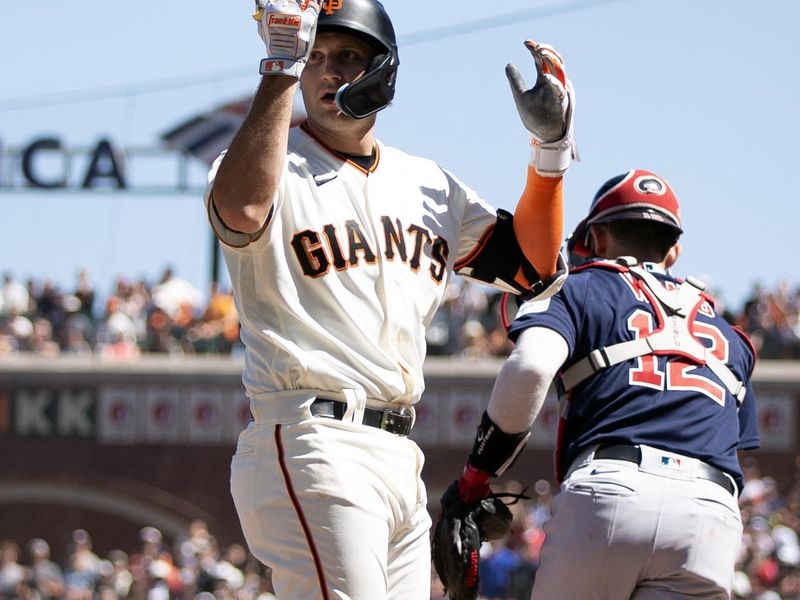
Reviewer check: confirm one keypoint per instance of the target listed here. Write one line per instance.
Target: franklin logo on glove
(286, 20)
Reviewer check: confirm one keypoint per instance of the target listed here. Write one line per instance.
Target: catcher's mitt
(457, 539)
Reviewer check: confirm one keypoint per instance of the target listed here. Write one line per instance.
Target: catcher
(656, 400)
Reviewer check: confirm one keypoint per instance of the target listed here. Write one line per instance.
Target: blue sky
(703, 92)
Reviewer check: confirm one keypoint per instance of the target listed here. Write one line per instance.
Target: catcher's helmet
(635, 195)
(368, 20)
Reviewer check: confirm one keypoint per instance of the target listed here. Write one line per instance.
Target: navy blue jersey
(663, 401)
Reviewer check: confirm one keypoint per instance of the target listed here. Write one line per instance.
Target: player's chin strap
(674, 309)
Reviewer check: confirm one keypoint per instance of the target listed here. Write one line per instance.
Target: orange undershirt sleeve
(538, 222)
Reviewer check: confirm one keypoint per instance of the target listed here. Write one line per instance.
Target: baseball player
(339, 249)
(655, 402)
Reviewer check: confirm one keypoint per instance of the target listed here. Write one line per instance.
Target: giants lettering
(339, 262)
(358, 243)
(439, 253)
(394, 239)
(316, 253)
(310, 253)
(421, 237)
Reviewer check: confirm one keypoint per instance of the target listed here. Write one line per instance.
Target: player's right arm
(543, 335)
(247, 179)
(249, 174)
(518, 394)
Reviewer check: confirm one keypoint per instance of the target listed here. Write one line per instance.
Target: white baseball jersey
(350, 269)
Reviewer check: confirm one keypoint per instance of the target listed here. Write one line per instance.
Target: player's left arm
(520, 254)
(547, 111)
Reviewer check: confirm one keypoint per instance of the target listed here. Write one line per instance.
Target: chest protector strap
(674, 309)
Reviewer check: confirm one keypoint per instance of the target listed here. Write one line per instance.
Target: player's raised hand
(287, 28)
(546, 109)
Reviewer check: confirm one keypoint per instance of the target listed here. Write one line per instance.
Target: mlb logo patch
(670, 462)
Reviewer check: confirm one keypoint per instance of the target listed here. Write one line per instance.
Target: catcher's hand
(546, 109)
(457, 538)
(288, 28)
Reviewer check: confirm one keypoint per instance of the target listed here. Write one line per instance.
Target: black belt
(393, 420)
(634, 454)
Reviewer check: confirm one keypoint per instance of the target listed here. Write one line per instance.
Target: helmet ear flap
(371, 92)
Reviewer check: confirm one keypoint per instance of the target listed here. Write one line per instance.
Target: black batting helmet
(636, 195)
(368, 20)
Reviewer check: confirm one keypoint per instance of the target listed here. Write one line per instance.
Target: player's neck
(355, 137)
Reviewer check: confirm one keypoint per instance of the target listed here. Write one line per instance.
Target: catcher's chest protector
(675, 306)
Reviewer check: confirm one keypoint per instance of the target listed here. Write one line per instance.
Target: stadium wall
(112, 447)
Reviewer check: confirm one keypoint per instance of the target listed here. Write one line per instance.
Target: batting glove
(287, 28)
(546, 110)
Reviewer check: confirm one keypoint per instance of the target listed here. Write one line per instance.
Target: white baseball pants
(337, 509)
(653, 531)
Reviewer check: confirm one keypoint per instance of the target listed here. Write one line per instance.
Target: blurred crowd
(169, 316)
(195, 567)
(173, 317)
(771, 317)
